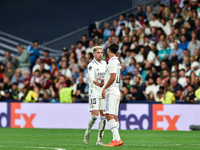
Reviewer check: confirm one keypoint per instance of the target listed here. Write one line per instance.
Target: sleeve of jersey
(112, 67)
(91, 72)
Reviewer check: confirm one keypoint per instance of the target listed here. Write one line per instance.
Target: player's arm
(110, 82)
(73, 96)
(91, 75)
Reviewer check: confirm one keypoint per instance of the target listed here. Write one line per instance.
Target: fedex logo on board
(10, 118)
(151, 117)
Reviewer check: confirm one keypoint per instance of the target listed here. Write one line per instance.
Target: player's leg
(94, 108)
(117, 121)
(111, 104)
(101, 128)
(91, 122)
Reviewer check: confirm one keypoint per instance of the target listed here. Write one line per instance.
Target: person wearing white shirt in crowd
(182, 78)
(151, 58)
(64, 70)
(147, 27)
(117, 27)
(154, 22)
(195, 68)
(133, 26)
(37, 65)
(165, 26)
(138, 58)
(172, 16)
(171, 41)
(122, 19)
(150, 88)
(147, 41)
(90, 48)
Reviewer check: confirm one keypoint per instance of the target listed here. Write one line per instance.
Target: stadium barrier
(76, 116)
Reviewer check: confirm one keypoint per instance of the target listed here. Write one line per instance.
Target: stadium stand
(159, 50)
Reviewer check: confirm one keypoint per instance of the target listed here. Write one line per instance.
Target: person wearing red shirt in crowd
(46, 59)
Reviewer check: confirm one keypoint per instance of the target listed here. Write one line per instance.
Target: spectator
(191, 94)
(154, 22)
(182, 78)
(33, 94)
(136, 73)
(61, 83)
(8, 95)
(195, 68)
(160, 97)
(122, 19)
(33, 52)
(169, 96)
(35, 78)
(24, 59)
(151, 97)
(2, 70)
(116, 26)
(131, 66)
(27, 78)
(6, 84)
(48, 97)
(9, 72)
(197, 55)
(79, 49)
(15, 91)
(47, 59)
(136, 94)
(193, 44)
(183, 44)
(37, 66)
(148, 12)
(176, 88)
(7, 58)
(82, 89)
(176, 53)
(85, 41)
(17, 77)
(165, 26)
(163, 54)
(140, 12)
(123, 70)
(90, 48)
(150, 87)
(106, 32)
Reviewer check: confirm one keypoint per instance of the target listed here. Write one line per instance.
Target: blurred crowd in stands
(159, 51)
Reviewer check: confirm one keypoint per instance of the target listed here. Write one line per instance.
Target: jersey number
(93, 101)
(118, 76)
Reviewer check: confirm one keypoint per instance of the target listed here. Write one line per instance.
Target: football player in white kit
(96, 72)
(112, 94)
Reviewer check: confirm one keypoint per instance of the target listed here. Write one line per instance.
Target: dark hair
(159, 92)
(124, 15)
(46, 51)
(35, 41)
(68, 82)
(113, 47)
(79, 42)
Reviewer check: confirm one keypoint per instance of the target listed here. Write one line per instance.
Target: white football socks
(101, 127)
(113, 126)
(91, 122)
(117, 125)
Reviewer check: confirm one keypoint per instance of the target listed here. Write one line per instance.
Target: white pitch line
(46, 148)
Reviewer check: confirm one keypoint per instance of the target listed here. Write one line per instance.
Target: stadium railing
(73, 37)
(9, 43)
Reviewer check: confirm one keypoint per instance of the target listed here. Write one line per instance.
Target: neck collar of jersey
(97, 61)
(115, 57)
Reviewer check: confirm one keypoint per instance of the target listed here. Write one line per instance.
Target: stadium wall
(75, 116)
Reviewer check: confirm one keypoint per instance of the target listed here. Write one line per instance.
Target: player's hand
(104, 93)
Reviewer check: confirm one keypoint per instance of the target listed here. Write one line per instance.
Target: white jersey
(96, 70)
(113, 66)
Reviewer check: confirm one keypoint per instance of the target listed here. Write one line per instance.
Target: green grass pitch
(67, 139)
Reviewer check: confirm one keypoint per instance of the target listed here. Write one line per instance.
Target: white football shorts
(112, 104)
(96, 103)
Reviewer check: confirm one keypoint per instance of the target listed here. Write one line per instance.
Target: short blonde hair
(97, 48)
